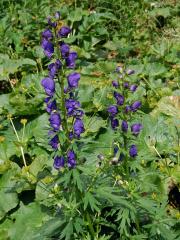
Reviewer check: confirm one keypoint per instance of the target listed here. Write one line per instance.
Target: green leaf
(90, 200)
(67, 232)
(77, 179)
(26, 220)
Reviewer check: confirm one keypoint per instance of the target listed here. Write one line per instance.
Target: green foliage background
(36, 202)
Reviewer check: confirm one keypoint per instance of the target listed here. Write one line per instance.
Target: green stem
(90, 225)
(63, 108)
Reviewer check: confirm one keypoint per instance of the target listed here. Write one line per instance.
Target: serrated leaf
(90, 200)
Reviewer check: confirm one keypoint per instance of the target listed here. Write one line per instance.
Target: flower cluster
(63, 60)
(122, 107)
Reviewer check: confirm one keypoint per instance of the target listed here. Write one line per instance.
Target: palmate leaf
(77, 179)
(67, 231)
(49, 229)
(108, 193)
(26, 220)
(90, 200)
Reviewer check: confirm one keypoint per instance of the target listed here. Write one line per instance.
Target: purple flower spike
(71, 159)
(64, 31)
(133, 151)
(47, 34)
(124, 126)
(78, 127)
(113, 110)
(133, 88)
(136, 128)
(55, 121)
(71, 135)
(49, 86)
(73, 79)
(64, 48)
(135, 106)
(58, 162)
(114, 123)
(115, 84)
(54, 142)
(70, 60)
(119, 98)
(130, 71)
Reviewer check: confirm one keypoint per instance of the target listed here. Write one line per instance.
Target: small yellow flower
(154, 195)
(2, 138)
(23, 121)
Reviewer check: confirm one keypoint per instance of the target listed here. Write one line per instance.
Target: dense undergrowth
(109, 192)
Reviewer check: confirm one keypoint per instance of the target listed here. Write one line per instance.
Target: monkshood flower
(73, 79)
(133, 151)
(51, 106)
(119, 98)
(71, 106)
(78, 127)
(53, 44)
(70, 60)
(54, 67)
(71, 159)
(64, 49)
(59, 162)
(133, 88)
(54, 142)
(135, 106)
(55, 121)
(47, 34)
(114, 123)
(126, 113)
(124, 126)
(136, 128)
(113, 110)
(64, 31)
(49, 86)
(115, 84)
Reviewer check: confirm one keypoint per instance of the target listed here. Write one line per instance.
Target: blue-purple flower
(58, 162)
(114, 123)
(64, 31)
(113, 110)
(64, 48)
(47, 34)
(51, 106)
(54, 67)
(55, 121)
(133, 151)
(135, 106)
(54, 142)
(133, 88)
(130, 71)
(70, 60)
(136, 128)
(48, 47)
(49, 86)
(71, 159)
(73, 79)
(119, 98)
(71, 106)
(78, 127)
(124, 126)
(115, 84)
